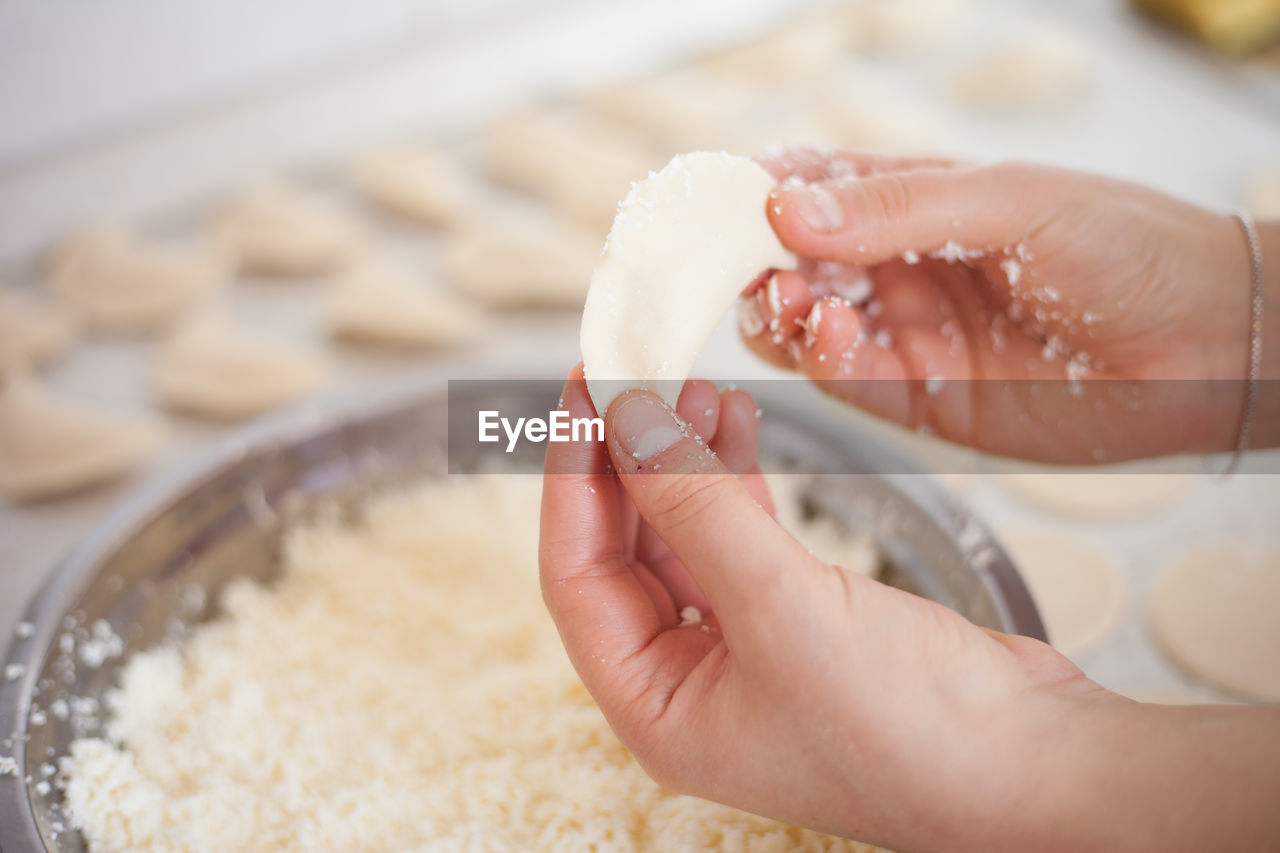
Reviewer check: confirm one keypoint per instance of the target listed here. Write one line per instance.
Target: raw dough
(116, 283)
(1045, 65)
(877, 116)
(376, 302)
(1096, 495)
(32, 333)
(512, 260)
(50, 446)
(579, 164)
(421, 184)
(281, 230)
(212, 369)
(1262, 190)
(685, 243)
(1214, 612)
(1076, 586)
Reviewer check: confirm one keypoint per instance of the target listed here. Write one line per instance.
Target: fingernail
(813, 324)
(818, 208)
(645, 427)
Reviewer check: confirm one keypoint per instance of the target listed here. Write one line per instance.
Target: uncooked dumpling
(1097, 495)
(280, 230)
(381, 304)
(116, 283)
(685, 243)
(212, 369)
(31, 332)
(879, 117)
(802, 51)
(679, 111)
(1044, 65)
(1214, 613)
(580, 165)
(421, 184)
(1076, 586)
(50, 446)
(510, 260)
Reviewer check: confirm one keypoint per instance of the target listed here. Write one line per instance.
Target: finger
(817, 164)
(699, 406)
(602, 609)
(875, 219)
(771, 317)
(737, 443)
(731, 546)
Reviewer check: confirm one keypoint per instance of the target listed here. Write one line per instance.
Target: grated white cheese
(400, 687)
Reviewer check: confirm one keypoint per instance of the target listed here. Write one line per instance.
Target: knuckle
(890, 200)
(685, 499)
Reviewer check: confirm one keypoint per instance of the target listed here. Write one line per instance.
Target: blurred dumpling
(378, 303)
(580, 165)
(686, 110)
(281, 230)
(510, 260)
(50, 446)
(421, 184)
(210, 368)
(32, 332)
(1042, 65)
(116, 283)
(798, 52)
(909, 26)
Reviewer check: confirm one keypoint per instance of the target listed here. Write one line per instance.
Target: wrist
(1265, 427)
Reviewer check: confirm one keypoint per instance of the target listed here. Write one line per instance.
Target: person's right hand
(1024, 273)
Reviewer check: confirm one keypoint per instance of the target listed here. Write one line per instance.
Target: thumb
(731, 546)
(874, 219)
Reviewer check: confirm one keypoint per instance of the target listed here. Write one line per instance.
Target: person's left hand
(810, 694)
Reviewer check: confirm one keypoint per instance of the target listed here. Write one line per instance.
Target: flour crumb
(690, 615)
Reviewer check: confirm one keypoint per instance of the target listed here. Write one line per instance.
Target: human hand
(825, 699)
(810, 694)
(1024, 273)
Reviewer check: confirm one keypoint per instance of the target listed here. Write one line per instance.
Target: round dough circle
(1096, 495)
(1076, 587)
(1214, 613)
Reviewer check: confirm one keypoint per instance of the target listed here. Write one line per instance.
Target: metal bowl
(155, 565)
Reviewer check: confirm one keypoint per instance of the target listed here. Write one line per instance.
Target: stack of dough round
(114, 282)
(378, 303)
(280, 230)
(31, 332)
(212, 369)
(50, 446)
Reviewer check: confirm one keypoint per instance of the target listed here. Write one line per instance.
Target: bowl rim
(70, 575)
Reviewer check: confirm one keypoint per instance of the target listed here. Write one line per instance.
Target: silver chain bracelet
(1255, 338)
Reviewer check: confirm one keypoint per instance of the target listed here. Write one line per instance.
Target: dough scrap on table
(422, 184)
(579, 164)
(516, 260)
(210, 368)
(50, 446)
(685, 243)
(1088, 494)
(1214, 613)
(1076, 586)
(115, 282)
(1044, 65)
(379, 303)
(32, 332)
(282, 230)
